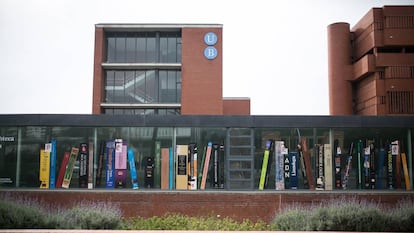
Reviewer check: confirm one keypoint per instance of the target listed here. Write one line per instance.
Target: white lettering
(6, 139)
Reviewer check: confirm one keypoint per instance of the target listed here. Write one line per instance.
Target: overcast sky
(274, 52)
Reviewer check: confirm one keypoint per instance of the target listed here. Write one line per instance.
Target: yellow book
(44, 171)
(405, 169)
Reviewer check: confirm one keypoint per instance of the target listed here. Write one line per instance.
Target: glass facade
(240, 149)
(136, 84)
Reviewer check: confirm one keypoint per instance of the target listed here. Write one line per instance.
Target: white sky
(274, 52)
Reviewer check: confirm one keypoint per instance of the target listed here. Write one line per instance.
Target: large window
(149, 80)
(143, 86)
(144, 47)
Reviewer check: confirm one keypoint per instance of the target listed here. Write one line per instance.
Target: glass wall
(135, 88)
(228, 158)
(144, 47)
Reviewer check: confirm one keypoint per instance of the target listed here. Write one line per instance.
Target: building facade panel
(236, 106)
(99, 56)
(382, 51)
(202, 77)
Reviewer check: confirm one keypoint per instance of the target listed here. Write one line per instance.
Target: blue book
(294, 163)
(171, 170)
(110, 164)
(132, 169)
(52, 177)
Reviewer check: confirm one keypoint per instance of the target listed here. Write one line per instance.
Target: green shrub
(182, 222)
(91, 215)
(346, 215)
(19, 213)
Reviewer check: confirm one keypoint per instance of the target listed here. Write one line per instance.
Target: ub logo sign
(210, 39)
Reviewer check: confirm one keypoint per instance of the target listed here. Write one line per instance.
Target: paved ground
(130, 231)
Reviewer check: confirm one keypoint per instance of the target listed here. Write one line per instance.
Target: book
(83, 165)
(44, 170)
(157, 165)
(110, 164)
(206, 165)
(90, 165)
(327, 150)
(120, 163)
(171, 170)
(280, 151)
(52, 178)
(132, 169)
(265, 162)
(62, 169)
(181, 172)
(293, 170)
(101, 158)
(192, 166)
(320, 168)
(165, 168)
(69, 169)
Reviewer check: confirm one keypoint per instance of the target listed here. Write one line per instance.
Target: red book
(62, 169)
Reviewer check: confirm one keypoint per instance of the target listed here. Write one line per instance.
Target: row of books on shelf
(115, 160)
(326, 168)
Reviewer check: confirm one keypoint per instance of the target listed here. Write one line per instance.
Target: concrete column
(340, 69)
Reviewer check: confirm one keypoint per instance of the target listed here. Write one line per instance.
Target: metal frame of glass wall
(243, 139)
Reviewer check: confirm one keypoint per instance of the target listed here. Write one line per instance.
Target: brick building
(161, 69)
(371, 66)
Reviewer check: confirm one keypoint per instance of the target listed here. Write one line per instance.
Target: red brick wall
(201, 78)
(237, 205)
(99, 57)
(236, 106)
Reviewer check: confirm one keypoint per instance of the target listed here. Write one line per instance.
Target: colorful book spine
(397, 166)
(293, 170)
(149, 172)
(110, 164)
(69, 169)
(338, 177)
(83, 165)
(52, 181)
(192, 166)
(348, 167)
(216, 166)
(360, 163)
(206, 165)
(62, 169)
(264, 165)
(120, 163)
(90, 165)
(132, 169)
(171, 169)
(320, 178)
(157, 165)
(165, 168)
(406, 174)
(44, 171)
(367, 154)
(200, 171)
(221, 167)
(308, 164)
(181, 172)
(280, 151)
(381, 161)
(286, 170)
(327, 154)
(101, 158)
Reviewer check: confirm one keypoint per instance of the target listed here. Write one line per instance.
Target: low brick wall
(238, 205)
